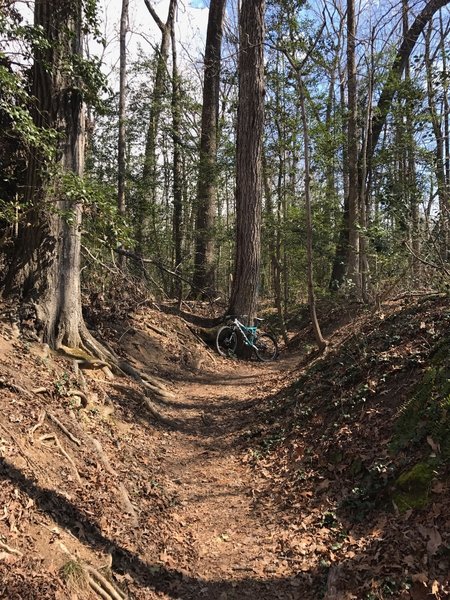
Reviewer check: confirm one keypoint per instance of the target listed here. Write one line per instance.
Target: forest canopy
(305, 152)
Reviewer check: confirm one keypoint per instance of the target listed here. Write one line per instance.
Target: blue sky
(198, 3)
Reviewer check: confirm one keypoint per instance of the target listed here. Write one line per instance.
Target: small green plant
(62, 385)
(329, 520)
(74, 575)
(270, 443)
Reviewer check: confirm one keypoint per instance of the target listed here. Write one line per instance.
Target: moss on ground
(425, 420)
(413, 486)
(427, 412)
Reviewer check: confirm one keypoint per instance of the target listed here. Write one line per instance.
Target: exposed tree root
(10, 550)
(99, 354)
(35, 466)
(129, 508)
(53, 436)
(104, 588)
(123, 368)
(14, 387)
(64, 429)
(57, 422)
(38, 424)
(95, 580)
(98, 589)
(103, 457)
(79, 394)
(158, 416)
(157, 330)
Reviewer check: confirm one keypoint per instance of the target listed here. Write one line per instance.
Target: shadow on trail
(214, 414)
(175, 584)
(220, 422)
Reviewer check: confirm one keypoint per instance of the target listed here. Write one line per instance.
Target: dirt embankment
(292, 480)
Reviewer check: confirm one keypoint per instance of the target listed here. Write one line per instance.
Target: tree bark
(177, 171)
(339, 269)
(440, 150)
(353, 188)
(320, 341)
(121, 142)
(121, 146)
(147, 204)
(45, 270)
(204, 263)
(249, 180)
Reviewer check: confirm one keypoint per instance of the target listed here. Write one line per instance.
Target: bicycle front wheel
(226, 341)
(266, 347)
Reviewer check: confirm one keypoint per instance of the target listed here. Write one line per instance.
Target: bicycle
(264, 345)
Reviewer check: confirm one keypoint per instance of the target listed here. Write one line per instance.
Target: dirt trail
(229, 548)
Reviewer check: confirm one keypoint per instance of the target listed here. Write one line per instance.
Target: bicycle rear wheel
(226, 341)
(266, 347)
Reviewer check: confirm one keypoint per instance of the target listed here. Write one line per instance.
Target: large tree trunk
(339, 269)
(177, 171)
(249, 180)
(204, 263)
(146, 222)
(121, 145)
(440, 149)
(353, 187)
(272, 234)
(121, 142)
(46, 267)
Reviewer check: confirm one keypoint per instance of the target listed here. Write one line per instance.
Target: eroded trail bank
(91, 477)
(230, 548)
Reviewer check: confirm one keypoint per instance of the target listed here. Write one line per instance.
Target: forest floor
(256, 481)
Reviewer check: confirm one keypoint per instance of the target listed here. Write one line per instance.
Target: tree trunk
(440, 150)
(121, 143)
(45, 270)
(321, 343)
(353, 188)
(249, 181)
(147, 204)
(339, 269)
(204, 263)
(177, 171)
(273, 247)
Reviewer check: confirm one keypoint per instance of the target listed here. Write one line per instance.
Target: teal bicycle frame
(248, 331)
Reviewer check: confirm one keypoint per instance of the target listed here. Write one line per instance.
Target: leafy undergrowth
(75, 469)
(355, 455)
